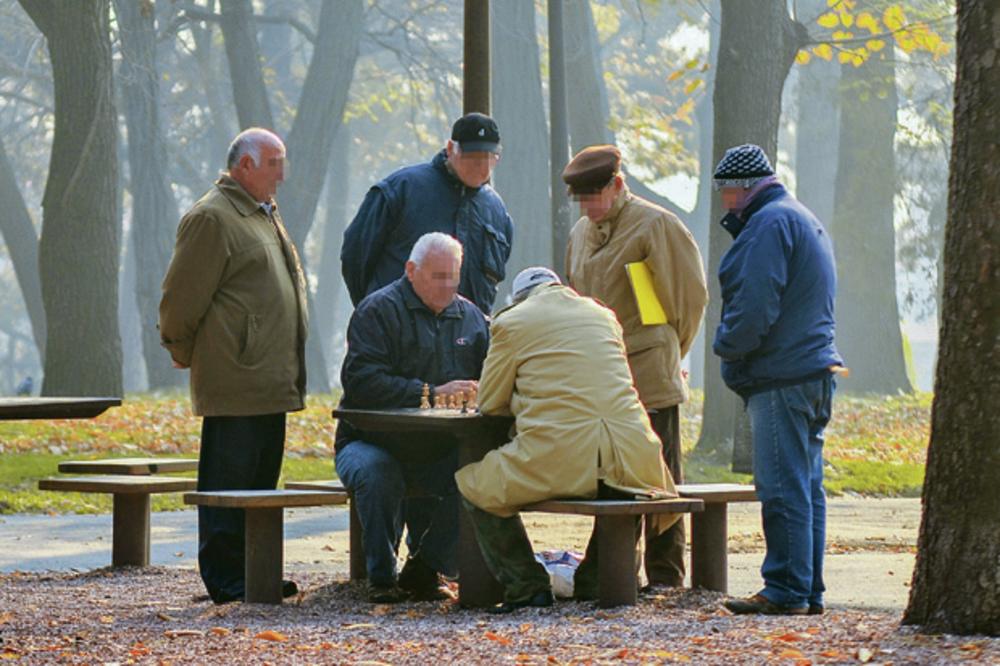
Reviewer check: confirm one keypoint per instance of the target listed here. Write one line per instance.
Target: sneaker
(385, 594)
(758, 604)
(815, 609)
(541, 599)
(422, 582)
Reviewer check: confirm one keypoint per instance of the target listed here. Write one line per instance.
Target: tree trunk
(868, 334)
(221, 130)
(476, 57)
(956, 582)
(747, 103)
(154, 210)
(80, 241)
(239, 31)
(522, 176)
(559, 209)
(22, 246)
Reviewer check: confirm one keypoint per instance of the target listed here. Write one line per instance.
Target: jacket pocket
(647, 337)
(496, 249)
(251, 339)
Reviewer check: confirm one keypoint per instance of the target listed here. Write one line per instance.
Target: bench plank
(718, 492)
(118, 484)
(129, 466)
(617, 507)
(263, 499)
(327, 485)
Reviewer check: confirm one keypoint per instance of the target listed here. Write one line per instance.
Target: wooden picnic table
(475, 435)
(131, 466)
(12, 409)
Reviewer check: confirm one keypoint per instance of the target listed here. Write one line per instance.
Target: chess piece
(465, 402)
(439, 401)
(452, 401)
(473, 400)
(425, 395)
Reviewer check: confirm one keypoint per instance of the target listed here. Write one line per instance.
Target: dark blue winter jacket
(395, 345)
(778, 284)
(417, 200)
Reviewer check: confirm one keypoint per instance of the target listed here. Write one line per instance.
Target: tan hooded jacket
(637, 230)
(234, 307)
(557, 364)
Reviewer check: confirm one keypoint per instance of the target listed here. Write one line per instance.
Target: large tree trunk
(239, 31)
(523, 174)
(868, 334)
(747, 103)
(22, 246)
(154, 210)
(956, 582)
(80, 240)
(221, 127)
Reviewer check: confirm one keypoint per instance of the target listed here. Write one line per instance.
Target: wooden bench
(356, 545)
(709, 531)
(615, 538)
(264, 549)
(129, 466)
(130, 515)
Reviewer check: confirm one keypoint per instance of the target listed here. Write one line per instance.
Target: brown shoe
(386, 594)
(423, 583)
(758, 604)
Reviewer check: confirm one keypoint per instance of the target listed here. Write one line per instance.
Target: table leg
(358, 567)
(616, 560)
(477, 588)
(264, 555)
(709, 557)
(130, 530)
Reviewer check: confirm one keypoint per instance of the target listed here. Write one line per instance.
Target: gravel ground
(156, 616)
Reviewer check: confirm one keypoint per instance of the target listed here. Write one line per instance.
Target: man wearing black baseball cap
(450, 194)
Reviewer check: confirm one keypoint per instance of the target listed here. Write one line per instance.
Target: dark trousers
(664, 558)
(237, 453)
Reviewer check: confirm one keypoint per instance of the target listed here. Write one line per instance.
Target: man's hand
(178, 365)
(457, 387)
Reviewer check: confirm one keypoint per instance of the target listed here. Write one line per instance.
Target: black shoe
(758, 604)
(386, 594)
(422, 582)
(541, 599)
(815, 609)
(288, 589)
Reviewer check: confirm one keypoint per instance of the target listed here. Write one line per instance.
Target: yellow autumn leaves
(855, 37)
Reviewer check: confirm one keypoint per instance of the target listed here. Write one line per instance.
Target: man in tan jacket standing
(617, 229)
(234, 312)
(557, 364)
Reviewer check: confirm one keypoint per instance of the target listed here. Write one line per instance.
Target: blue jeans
(378, 482)
(788, 428)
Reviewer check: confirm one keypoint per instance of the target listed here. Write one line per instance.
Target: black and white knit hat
(742, 166)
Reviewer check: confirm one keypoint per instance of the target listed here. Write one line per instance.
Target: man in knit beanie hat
(778, 281)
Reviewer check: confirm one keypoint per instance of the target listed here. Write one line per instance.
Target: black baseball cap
(476, 132)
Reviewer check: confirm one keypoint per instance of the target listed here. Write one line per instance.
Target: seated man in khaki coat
(557, 364)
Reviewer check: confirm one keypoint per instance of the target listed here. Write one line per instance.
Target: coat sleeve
(753, 302)
(499, 371)
(367, 372)
(678, 277)
(364, 240)
(193, 277)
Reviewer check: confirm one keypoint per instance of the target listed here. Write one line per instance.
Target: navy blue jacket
(417, 200)
(778, 284)
(395, 345)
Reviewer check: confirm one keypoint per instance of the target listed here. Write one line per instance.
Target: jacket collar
(440, 162)
(245, 204)
(600, 231)
(762, 198)
(413, 302)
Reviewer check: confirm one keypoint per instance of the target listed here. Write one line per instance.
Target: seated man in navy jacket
(414, 331)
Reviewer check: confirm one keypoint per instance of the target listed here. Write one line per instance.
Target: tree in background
(956, 586)
(80, 240)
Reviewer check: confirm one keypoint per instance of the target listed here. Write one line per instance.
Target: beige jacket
(637, 230)
(234, 307)
(557, 364)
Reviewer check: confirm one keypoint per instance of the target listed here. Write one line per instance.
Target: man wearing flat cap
(450, 194)
(776, 340)
(619, 228)
(556, 363)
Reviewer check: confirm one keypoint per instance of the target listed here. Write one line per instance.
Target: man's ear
(411, 268)
(619, 182)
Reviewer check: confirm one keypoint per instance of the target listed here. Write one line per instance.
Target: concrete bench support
(615, 538)
(709, 531)
(265, 544)
(131, 503)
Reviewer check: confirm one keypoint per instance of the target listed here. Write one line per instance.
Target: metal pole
(559, 141)
(476, 69)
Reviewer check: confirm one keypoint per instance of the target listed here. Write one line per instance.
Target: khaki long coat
(557, 364)
(637, 230)
(234, 307)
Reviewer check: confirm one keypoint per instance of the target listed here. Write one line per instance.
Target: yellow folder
(650, 309)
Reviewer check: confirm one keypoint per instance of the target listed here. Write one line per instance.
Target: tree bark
(22, 246)
(747, 104)
(239, 31)
(80, 241)
(154, 210)
(868, 334)
(559, 209)
(522, 176)
(956, 582)
(476, 57)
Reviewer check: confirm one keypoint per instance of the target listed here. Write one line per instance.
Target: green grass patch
(874, 478)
